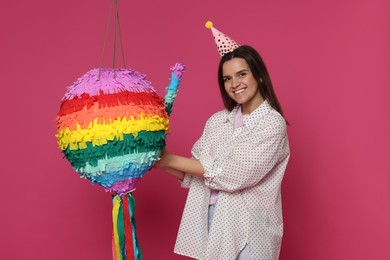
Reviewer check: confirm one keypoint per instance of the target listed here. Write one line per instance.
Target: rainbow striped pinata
(111, 128)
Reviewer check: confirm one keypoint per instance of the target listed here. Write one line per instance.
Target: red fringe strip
(110, 100)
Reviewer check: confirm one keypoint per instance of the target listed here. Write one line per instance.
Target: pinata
(111, 127)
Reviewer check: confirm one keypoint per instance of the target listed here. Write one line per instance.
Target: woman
(233, 208)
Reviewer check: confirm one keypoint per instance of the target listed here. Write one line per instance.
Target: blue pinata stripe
(130, 171)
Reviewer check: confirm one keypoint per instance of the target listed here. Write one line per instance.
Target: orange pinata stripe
(105, 115)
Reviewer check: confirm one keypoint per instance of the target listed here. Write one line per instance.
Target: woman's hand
(163, 164)
(164, 159)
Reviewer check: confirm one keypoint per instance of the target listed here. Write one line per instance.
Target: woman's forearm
(175, 173)
(187, 165)
(177, 165)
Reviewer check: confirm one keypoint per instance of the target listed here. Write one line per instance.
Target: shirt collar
(252, 119)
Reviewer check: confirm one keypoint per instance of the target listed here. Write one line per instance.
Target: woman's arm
(175, 173)
(245, 164)
(177, 165)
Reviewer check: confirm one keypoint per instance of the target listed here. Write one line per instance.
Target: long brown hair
(259, 71)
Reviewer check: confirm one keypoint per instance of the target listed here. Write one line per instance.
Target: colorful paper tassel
(125, 242)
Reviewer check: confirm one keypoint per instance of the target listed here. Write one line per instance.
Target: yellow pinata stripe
(100, 134)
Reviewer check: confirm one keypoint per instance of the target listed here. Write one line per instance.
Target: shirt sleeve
(185, 183)
(246, 163)
(197, 149)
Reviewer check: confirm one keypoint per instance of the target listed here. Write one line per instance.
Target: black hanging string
(120, 35)
(117, 29)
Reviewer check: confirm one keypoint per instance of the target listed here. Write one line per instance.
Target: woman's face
(240, 84)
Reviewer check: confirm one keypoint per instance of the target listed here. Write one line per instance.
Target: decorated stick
(177, 72)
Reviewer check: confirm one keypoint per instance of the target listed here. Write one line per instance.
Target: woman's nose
(235, 83)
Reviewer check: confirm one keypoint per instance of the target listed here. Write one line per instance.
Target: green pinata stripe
(144, 142)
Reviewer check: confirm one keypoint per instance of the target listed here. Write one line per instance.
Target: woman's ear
(261, 80)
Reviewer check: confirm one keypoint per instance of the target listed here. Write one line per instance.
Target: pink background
(329, 61)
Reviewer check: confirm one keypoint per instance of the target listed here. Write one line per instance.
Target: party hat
(224, 43)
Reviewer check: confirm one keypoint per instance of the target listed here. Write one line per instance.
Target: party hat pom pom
(209, 25)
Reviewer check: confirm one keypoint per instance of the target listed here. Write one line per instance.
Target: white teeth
(239, 91)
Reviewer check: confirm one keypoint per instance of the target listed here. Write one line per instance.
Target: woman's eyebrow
(243, 70)
(238, 72)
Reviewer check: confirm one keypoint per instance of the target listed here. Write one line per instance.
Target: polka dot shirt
(246, 165)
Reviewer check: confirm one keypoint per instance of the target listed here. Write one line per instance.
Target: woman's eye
(242, 74)
(226, 79)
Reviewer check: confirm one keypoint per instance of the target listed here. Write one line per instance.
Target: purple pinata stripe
(123, 187)
(123, 80)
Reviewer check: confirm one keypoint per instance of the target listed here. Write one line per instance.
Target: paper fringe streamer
(125, 243)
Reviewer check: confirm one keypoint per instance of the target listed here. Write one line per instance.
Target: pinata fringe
(143, 143)
(118, 163)
(125, 80)
(128, 171)
(125, 244)
(106, 115)
(99, 135)
(103, 100)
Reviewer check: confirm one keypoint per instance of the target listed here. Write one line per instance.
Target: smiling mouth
(239, 91)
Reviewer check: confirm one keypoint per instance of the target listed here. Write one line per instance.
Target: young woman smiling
(233, 208)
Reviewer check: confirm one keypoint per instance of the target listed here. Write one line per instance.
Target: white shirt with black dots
(246, 165)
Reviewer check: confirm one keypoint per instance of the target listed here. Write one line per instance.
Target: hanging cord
(120, 36)
(117, 27)
(105, 40)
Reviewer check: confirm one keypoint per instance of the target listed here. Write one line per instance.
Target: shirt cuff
(212, 168)
(185, 183)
